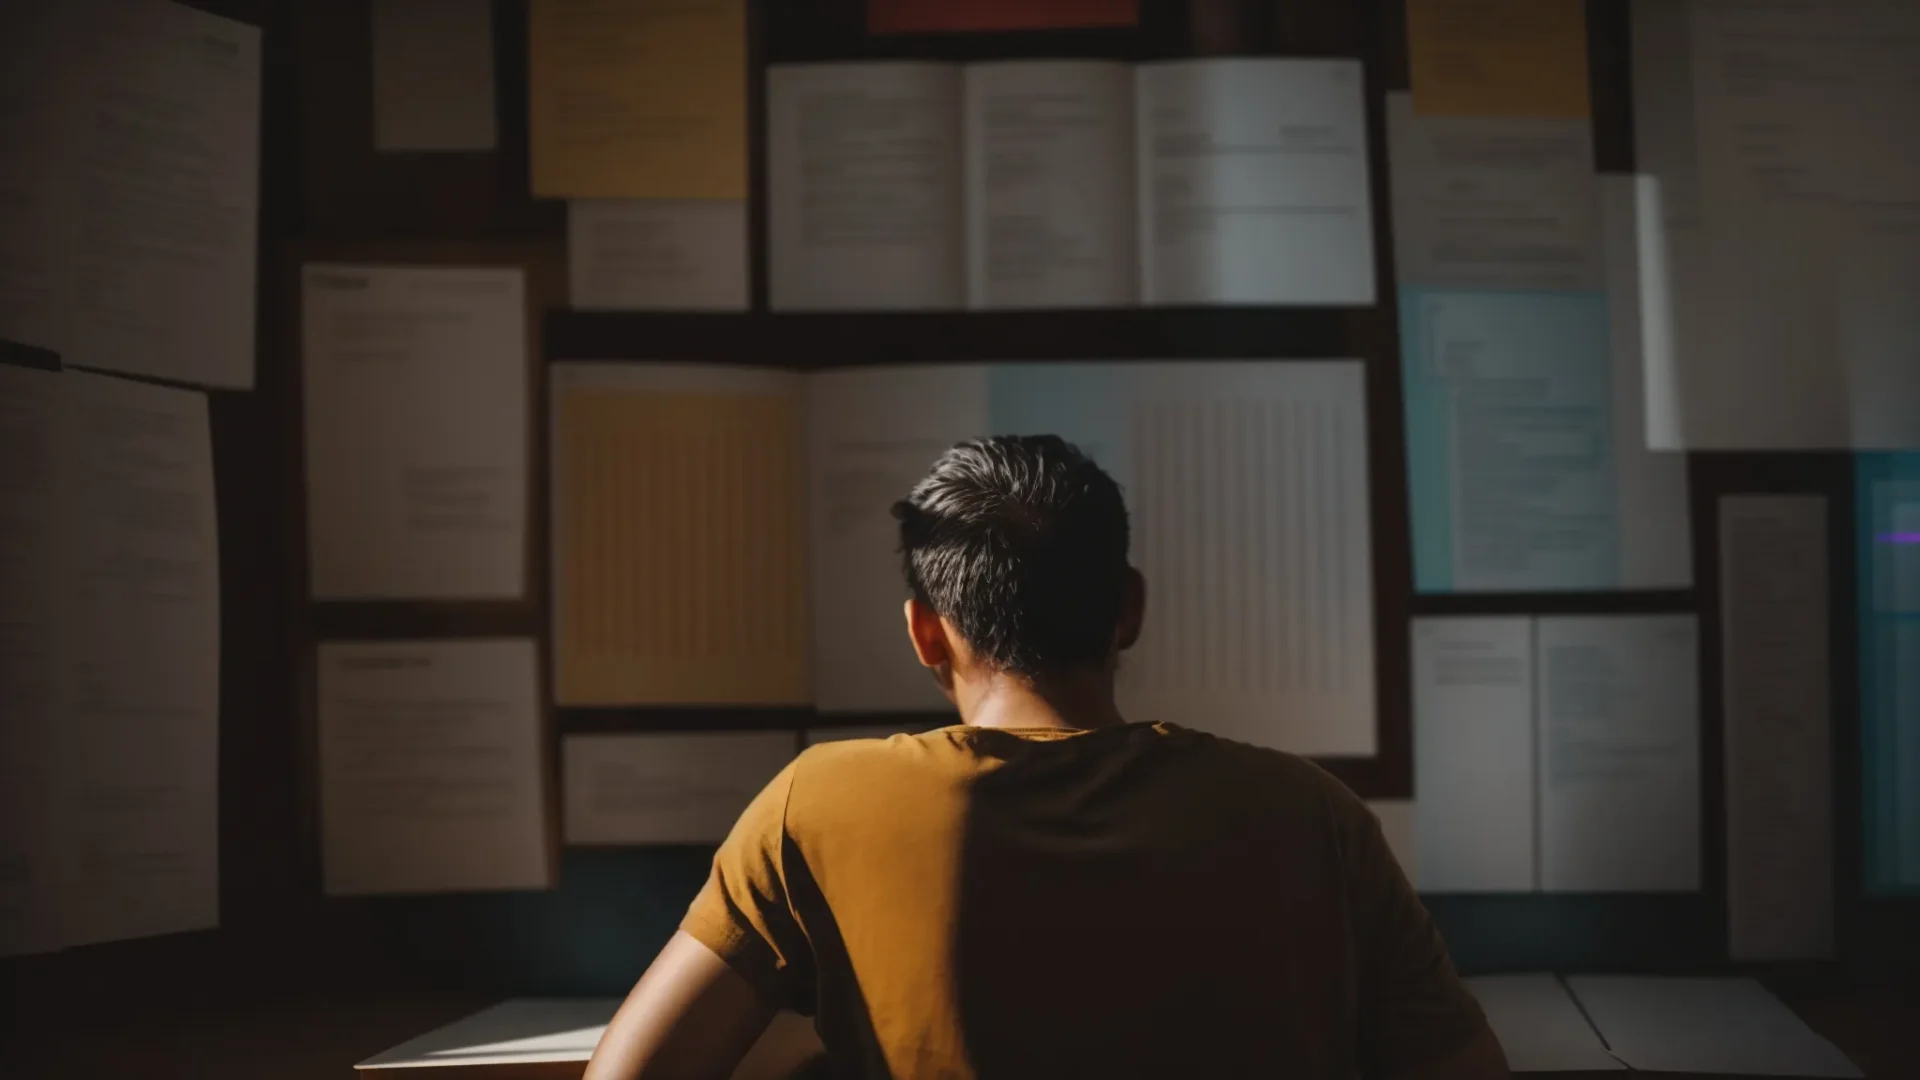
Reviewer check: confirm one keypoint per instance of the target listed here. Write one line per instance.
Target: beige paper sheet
(638, 100)
(680, 548)
(1498, 57)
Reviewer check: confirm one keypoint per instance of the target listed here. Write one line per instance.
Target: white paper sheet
(1655, 547)
(433, 75)
(864, 180)
(431, 772)
(1664, 142)
(141, 728)
(657, 255)
(1619, 748)
(1773, 589)
(1253, 183)
(1539, 1026)
(415, 395)
(1049, 196)
(871, 435)
(1493, 202)
(31, 659)
(522, 1031)
(39, 77)
(1728, 1027)
(1473, 753)
(665, 789)
(1790, 286)
(166, 194)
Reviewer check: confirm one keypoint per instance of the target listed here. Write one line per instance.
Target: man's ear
(928, 636)
(1133, 611)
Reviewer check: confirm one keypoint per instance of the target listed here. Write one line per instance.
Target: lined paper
(1250, 527)
(679, 536)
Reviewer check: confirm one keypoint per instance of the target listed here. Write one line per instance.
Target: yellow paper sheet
(1498, 57)
(641, 99)
(680, 549)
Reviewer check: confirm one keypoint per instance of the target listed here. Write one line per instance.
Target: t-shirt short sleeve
(1413, 1007)
(744, 914)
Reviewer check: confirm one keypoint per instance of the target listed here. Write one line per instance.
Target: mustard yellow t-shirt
(1136, 901)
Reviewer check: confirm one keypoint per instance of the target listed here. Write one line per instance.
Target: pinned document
(432, 775)
(1498, 57)
(644, 100)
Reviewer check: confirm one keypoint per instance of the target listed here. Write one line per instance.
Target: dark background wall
(327, 193)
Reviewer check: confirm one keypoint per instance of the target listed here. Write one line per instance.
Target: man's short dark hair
(1021, 542)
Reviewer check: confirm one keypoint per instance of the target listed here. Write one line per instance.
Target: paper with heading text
(432, 767)
(416, 415)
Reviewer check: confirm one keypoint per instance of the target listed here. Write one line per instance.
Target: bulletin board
(612, 908)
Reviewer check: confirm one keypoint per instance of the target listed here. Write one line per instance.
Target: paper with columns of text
(415, 402)
(1774, 670)
(431, 767)
(1245, 483)
(140, 726)
(666, 789)
(679, 535)
(643, 100)
(1556, 754)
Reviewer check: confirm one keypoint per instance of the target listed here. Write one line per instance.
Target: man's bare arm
(1480, 1059)
(690, 1017)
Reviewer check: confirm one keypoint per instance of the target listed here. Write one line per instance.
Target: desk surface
(322, 1039)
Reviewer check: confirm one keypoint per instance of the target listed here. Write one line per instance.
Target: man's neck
(1075, 702)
